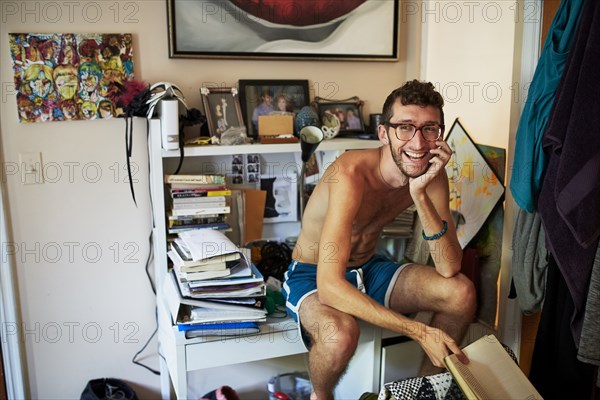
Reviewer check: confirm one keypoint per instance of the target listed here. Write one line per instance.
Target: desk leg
(180, 376)
(165, 382)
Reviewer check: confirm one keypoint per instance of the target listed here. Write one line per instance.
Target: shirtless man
(357, 196)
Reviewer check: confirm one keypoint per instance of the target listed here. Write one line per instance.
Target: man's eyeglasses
(405, 131)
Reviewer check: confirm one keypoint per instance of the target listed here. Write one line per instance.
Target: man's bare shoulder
(352, 163)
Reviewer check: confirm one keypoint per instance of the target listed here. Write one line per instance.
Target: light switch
(31, 168)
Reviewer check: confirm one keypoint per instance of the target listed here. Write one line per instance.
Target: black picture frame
(348, 112)
(222, 109)
(310, 30)
(251, 91)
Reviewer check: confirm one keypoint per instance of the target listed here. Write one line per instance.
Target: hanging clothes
(530, 160)
(589, 343)
(529, 261)
(570, 195)
(555, 371)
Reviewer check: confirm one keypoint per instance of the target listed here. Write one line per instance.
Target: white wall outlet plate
(31, 168)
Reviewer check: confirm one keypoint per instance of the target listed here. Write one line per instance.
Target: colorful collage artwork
(61, 77)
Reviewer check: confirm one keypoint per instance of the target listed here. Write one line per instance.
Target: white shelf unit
(277, 338)
(326, 145)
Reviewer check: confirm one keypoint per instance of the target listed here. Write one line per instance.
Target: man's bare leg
(452, 300)
(334, 337)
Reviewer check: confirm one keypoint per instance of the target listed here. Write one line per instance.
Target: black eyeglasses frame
(417, 128)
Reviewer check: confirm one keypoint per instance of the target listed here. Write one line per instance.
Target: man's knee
(336, 336)
(462, 297)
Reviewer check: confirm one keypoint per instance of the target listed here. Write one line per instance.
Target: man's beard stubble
(403, 167)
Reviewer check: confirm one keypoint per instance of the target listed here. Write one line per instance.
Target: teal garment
(530, 160)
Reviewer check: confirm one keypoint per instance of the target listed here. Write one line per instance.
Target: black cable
(128, 152)
(193, 117)
(181, 152)
(147, 270)
(153, 287)
(134, 359)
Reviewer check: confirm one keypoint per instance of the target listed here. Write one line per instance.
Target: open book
(491, 373)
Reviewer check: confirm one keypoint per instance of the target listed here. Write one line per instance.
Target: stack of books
(198, 202)
(213, 287)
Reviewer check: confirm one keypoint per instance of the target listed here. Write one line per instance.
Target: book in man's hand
(491, 373)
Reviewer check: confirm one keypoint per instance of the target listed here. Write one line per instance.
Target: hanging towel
(570, 196)
(530, 160)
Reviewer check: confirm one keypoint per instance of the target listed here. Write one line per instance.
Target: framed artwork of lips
(284, 29)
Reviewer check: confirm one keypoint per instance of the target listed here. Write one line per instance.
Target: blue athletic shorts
(376, 278)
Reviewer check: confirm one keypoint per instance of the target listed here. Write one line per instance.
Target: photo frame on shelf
(239, 29)
(222, 109)
(340, 117)
(271, 97)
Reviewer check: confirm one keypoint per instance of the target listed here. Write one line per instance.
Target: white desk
(278, 338)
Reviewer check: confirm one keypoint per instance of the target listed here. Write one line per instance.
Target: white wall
(468, 54)
(66, 298)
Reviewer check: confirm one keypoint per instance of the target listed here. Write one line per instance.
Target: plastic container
(290, 386)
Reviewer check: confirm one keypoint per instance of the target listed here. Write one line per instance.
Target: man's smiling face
(412, 156)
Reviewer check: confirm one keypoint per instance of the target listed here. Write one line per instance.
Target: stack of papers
(213, 282)
(192, 270)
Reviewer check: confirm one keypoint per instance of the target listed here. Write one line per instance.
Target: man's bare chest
(378, 211)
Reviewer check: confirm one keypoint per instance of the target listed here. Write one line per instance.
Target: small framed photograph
(340, 117)
(222, 108)
(271, 97)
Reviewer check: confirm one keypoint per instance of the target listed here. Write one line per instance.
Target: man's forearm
(346, 298)
(441, 239)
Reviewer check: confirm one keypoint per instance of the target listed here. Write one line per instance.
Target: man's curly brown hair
(414, 92)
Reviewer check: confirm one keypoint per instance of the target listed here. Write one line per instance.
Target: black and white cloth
(432, 387)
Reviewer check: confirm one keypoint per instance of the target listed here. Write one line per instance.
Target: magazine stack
(213, 287)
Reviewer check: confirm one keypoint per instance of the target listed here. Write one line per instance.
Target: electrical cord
(153, 287)
(135, 360)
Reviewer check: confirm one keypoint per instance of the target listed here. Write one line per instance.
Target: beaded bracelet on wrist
(437, 235)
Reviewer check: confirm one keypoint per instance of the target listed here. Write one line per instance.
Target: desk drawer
(227, 351)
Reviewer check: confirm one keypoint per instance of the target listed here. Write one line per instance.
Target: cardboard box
(275, 125)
